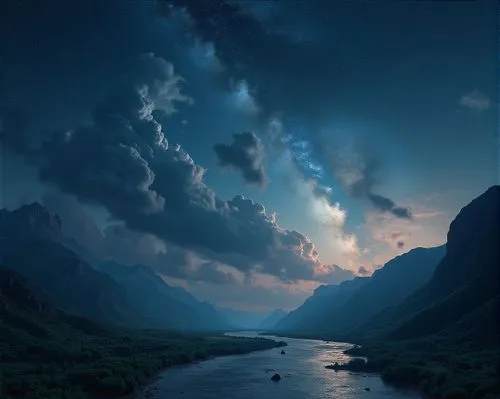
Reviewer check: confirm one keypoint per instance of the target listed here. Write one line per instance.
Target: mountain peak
(31, 219)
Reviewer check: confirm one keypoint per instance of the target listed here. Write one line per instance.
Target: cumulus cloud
(122, 161)
(245, 154)
(180, 264)
(476, 101)
(321, 207)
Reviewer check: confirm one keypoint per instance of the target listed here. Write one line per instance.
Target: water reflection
(302, 369)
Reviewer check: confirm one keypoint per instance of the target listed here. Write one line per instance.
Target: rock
(335, 366)
(283, 352)
(367, 389)
(276, 377)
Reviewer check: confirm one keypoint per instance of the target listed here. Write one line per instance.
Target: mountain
(270, 321)
(30, 243)
(466, 280)
(167, 306)
(325, 300)
(388, 286)
(354, 302)
(444, 339)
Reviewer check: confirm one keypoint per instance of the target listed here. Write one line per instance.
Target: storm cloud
(123, 161)
(245, 154)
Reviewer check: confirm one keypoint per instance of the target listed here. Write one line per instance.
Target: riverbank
(107, 366)
(436, 367)
(302, 371)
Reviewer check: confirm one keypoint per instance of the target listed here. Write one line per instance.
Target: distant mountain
(325, 300)
(272, 320)
(30, 243)
(465, 282)
(388, 286)
(352, 303)
(167, 306)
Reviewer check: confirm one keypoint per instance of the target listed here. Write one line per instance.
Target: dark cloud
(359, 174)
(122, 161)
(181, 264)
(385, 204)
(363, 271)
(246, 154)
(129, 247)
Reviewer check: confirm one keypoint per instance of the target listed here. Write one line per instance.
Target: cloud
(204, 55)
(359, 175)
(257, 55)
(333, 274)
(246, 154)
(180, 264)
(385, 204)
(476, 101)
(319, 204)
(128, 247)
(363, 271)
(241, 97)
(123, 162)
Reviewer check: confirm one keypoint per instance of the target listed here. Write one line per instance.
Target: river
(302, 369)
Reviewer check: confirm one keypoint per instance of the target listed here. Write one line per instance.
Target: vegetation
(444, 339)
(437, 368)
(46, 361)
(48, 354)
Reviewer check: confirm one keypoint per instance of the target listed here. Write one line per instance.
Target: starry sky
(249, 150)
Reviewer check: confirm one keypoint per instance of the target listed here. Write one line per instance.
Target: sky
(249, 151)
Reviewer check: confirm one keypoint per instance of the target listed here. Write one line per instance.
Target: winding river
(302, 369)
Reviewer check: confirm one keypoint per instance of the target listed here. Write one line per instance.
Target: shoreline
(143, 390)
(148, 387)
(408, 387)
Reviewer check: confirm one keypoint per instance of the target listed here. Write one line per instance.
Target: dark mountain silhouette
(31, 242)
(167, 306)
(445, 337)
(354, 302)
(467, 280)
(325, 301)
(388, 286)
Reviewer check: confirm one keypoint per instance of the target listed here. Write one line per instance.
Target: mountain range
(33, 245)
(354, 302)
(429, 319)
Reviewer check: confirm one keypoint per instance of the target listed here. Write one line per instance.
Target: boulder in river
(276, 377)
(335, 366)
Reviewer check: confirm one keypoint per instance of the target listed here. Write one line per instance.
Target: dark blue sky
(373, 124)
